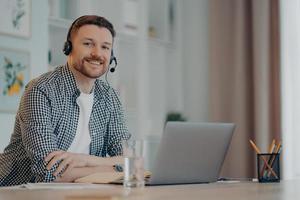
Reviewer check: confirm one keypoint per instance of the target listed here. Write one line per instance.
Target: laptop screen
(191, 152)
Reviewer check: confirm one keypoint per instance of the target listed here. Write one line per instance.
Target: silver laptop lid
(191, 152)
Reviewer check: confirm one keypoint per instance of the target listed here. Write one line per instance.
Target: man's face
(91, 50)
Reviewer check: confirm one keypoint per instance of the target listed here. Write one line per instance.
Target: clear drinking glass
(133, 164)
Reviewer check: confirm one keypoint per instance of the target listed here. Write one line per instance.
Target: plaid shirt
(47, 121)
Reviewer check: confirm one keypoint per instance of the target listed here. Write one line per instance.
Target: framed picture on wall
(15, 17)
(14, 75)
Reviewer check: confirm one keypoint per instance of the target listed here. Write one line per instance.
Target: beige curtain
(244, 63)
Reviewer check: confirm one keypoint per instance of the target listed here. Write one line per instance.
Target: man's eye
(87, 44)
(105, 47)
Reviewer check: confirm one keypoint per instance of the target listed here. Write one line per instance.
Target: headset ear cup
(67, 48)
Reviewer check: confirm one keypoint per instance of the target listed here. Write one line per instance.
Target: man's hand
(66, 160)
(79, 172)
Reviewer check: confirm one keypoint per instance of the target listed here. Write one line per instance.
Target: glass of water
(133, 164)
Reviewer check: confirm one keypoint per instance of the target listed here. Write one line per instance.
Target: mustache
(94, 58)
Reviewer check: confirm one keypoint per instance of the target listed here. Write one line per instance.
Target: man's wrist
(93, 161)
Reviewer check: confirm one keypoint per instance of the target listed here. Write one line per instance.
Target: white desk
(285, 190)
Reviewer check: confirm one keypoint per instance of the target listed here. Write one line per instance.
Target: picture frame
(14, 75)
(16, 18)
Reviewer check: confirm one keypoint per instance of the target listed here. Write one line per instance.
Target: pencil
(255, 147)
(266, 163)
(264, 172)
(272, 146)
(277, 151)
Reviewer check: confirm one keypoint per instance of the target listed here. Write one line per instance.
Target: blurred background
(196, 60)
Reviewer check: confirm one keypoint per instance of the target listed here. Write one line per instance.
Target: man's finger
(51, 155)
(69, 167)
(62, 166)
(56, 159)
(59, 169)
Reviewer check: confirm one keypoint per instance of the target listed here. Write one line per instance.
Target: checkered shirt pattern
(47, 121)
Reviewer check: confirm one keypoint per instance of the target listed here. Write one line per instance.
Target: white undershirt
(82, 140)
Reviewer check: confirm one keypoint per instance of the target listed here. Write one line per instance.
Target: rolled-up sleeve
(37, 132)
(117, 129)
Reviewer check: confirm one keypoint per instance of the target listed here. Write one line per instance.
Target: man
(69, 122)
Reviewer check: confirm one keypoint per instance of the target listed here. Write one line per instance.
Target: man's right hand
(66, 160)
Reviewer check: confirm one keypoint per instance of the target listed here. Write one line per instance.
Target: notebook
(191, 153)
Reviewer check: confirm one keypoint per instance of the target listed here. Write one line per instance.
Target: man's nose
(96, 52)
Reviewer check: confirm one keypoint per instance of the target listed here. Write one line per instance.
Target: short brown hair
(90, 19)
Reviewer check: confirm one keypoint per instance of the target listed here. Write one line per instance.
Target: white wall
(37, 46)
(195, 66)
(290, 84)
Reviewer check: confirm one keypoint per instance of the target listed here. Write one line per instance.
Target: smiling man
(69, 123)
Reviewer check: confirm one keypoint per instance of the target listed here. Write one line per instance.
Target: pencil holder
(268, 168)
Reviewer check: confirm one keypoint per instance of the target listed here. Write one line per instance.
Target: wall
(195, 67)
(290, 85)
(37, 46)
(182, 81)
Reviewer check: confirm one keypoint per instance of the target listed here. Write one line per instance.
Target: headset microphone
(113, 59)
(112, 70)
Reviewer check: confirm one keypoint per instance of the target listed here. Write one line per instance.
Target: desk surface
(285, 190)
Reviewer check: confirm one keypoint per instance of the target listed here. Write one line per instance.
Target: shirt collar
(69, 81)
(71, 85)
(99, 90)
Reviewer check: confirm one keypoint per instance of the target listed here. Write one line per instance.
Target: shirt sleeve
(37, 131)
(117, 128)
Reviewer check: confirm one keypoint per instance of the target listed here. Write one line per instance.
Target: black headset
(68, 47)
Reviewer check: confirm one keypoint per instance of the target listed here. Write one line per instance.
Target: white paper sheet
(63, 186)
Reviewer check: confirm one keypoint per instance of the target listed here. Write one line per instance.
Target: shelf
(62, 23)
(125, 37)
(59, 22)
(133, 39)
(160, 42)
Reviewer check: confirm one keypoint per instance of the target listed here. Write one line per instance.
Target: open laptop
(191, 153)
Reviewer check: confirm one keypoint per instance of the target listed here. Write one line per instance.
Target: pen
(266, 163)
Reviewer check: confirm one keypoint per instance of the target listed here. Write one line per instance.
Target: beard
(90, 70)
